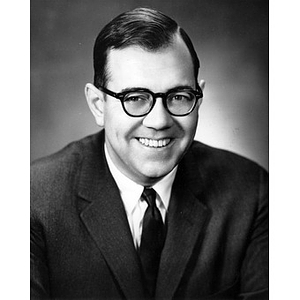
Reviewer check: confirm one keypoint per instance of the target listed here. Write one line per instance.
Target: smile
(154, 143)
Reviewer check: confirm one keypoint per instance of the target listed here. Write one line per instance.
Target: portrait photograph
(149, 149)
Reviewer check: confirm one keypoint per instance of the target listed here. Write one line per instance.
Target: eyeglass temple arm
(198, 88)
(108, 92)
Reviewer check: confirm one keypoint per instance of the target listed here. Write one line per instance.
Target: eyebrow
(180, 87)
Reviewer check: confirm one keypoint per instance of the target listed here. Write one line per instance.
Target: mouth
(154, 143)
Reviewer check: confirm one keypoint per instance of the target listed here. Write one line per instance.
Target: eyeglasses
(138, 102)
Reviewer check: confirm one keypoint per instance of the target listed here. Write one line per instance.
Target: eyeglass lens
(178, 103)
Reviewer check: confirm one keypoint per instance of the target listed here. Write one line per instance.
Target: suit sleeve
(39, 278)
(254, 272)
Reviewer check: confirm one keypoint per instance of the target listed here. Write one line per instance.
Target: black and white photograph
(149, 149)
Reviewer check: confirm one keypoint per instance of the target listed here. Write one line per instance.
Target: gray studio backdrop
(231, 38)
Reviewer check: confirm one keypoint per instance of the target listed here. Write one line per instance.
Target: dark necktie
(152, 241)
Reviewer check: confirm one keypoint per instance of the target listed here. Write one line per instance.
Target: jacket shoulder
(215, 158)
(56, 174)
(63, 160)
(225, 170)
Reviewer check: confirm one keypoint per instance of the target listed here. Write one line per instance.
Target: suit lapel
(104, 216)
(187, 219)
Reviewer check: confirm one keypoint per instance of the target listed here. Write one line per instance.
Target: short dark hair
(143, 27)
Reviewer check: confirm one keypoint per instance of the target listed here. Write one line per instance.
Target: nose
(158, 118)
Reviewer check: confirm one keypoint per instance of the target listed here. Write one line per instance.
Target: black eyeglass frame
(120, 96)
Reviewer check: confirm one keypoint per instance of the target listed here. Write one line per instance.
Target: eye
(136, 97)
(181, 96)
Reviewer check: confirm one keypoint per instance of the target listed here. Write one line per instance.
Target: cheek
(189, 125)
(113, 117)
(119, 127)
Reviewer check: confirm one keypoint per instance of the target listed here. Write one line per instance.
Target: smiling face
(147, 148)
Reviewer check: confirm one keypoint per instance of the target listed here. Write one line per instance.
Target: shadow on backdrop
(231, 38)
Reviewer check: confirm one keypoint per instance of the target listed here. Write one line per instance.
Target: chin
(158, 172)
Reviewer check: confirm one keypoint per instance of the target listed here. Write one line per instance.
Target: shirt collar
(164, 187)
(131, 191)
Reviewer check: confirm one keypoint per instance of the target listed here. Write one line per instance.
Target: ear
(95, 100)
(202, 86)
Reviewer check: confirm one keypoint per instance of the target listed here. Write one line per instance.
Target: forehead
(162, 69)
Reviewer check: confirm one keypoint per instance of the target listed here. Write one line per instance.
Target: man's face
(147, 148)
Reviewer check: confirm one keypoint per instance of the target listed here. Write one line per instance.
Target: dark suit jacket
(81, 244)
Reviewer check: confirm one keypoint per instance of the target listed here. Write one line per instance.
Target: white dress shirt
(131, 193)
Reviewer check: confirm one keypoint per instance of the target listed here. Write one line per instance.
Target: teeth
(154, 143)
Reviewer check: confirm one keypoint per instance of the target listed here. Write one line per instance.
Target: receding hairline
(175, 38)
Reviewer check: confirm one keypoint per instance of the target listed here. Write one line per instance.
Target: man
(141, 210)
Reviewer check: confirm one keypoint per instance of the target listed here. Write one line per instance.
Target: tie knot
(149, 195)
